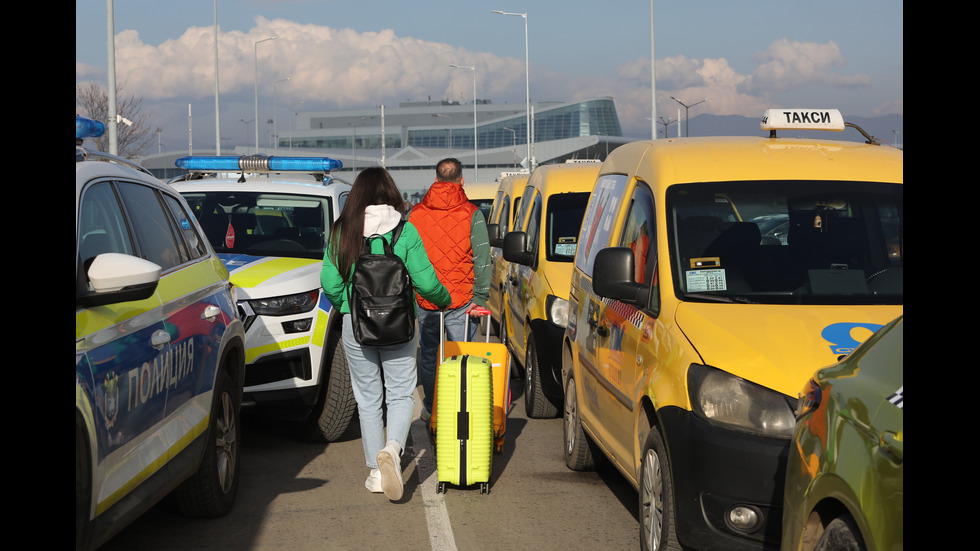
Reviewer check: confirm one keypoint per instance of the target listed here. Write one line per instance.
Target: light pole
(217, 107)
(666, 124)
(292, 107)
(513, 142)
(687, 118)
(256, 47)
(527, 86)
(353, 143)
(247, 122)
(275, 114)
(476, 164)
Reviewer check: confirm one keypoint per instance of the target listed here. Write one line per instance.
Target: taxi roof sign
(802, 119)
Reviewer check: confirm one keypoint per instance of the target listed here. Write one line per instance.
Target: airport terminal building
(410, 139)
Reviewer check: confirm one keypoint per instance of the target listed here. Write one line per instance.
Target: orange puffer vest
(443, 219)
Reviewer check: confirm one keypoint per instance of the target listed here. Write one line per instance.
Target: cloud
(789, 64)
(337, 68)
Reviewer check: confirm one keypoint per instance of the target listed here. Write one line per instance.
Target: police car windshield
(263, 224)
(788, 242)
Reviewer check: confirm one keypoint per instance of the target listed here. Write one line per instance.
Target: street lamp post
(247, 122)
(476, 164)
(687, 118)
(513, 142)
(353, 143)
(292, 115)
(256, 47)
(527, 86)
(275, 114)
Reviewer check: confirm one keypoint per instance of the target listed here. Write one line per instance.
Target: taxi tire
(211, 491)
(658, 529)
(536, 404)
(336, 407)
(580, 452)
(841, 534)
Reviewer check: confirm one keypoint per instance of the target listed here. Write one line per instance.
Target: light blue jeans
(429, 325)
(396, 388)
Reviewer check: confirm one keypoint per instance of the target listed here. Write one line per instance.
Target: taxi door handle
(159, 339)
(211, 312)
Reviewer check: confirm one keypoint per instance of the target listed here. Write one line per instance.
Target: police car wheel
(211, 491)
(536, 404)
(578, 448)
(656, 496)
(336, 406)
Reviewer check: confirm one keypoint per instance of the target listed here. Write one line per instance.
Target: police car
(159, 352)
(268, 218)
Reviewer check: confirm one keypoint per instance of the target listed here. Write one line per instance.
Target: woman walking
(373, 208)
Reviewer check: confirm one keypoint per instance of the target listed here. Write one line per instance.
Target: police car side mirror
(493, 230)
(515, 247)
(612, 276)
(119, 278)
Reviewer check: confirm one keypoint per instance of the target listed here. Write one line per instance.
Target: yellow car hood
(781, 346)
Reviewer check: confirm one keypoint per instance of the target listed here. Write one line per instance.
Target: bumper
(716, 469)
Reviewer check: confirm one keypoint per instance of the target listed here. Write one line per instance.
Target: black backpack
(382, 297)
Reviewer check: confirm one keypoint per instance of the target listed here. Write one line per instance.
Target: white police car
(268, 218)
(159, 352)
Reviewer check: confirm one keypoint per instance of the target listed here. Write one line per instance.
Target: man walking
(454, 232)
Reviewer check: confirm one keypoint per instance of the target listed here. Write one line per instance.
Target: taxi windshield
(787, 242)
(262, 224)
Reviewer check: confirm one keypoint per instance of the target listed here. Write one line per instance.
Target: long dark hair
(373, 186)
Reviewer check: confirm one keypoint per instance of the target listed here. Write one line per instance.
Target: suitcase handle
(478, 310)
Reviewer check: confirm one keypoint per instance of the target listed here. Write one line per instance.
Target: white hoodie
(380, 219)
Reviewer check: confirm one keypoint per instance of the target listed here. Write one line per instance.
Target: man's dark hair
(449, 170)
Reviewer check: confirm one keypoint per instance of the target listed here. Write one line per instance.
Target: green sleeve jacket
(410, 249)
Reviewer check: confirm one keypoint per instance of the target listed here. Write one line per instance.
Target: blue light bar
(87, 128)
(258, 163)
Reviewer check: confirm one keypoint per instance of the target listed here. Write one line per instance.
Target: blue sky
(745, 56)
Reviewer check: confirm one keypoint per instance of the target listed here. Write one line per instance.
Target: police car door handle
(159, 339)
(211, 312)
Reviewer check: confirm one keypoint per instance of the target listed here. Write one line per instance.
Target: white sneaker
(389, 461)
(373, 482)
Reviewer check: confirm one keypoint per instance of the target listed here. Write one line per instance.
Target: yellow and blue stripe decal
(250, 271)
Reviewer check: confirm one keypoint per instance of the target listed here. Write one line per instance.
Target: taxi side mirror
(493, 231)
(612, 276)
(515, 248)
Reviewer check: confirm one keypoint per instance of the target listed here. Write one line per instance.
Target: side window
(154, 231)
(504, 222)
(101, 224)
(638, 234)
(193, 243)
(533, 223)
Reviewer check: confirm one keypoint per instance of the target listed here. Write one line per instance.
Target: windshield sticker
(699, 281)
(565, 249)
(707, 262)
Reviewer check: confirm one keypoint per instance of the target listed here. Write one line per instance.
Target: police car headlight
(285, 305)
(724, 399)
(557, 310)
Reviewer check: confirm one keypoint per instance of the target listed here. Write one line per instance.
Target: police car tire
(337, 405)
(536, 404)
(211, 491)
(580, 454)
(658, 529)
(83, 488)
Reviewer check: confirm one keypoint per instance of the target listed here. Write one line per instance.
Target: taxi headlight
(557, 310)
(285, 305)
(724, 399)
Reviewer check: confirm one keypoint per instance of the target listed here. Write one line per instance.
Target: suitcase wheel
(441, 488)
(484, 487)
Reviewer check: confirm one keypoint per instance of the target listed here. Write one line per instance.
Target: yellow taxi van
(539, 252)
(713, 277)
(502, 214)
(482, 195)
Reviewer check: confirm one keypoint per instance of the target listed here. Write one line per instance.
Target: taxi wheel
(336, 407)
(578, 449)
(841, 533)
(536, 404)
(656, 494)
(211, 491)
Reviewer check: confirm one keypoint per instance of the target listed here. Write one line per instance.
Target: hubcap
(226, 442)
(652, 506)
